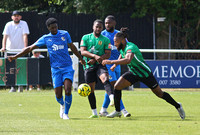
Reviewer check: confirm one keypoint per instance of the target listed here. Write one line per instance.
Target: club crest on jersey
(100, 42)
(63, 38)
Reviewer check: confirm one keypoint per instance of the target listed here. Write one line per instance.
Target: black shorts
(149, 81)
(91, 74)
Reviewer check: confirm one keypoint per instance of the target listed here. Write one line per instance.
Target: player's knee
(117, 87)
(108, 87)
(104, 77)
(68, 92)
(58, 96)
(159, 94)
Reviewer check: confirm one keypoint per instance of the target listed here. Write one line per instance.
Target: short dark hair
(111, 17)
(98, 20)
(50, 21)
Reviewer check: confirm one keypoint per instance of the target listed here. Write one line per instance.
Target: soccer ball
(84, 89)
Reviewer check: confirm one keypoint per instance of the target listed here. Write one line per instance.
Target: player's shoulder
(87, 36)
(116, 31)
(104, 32)
(131, 45)
(63, 32)
(45, 36)
(104, 37)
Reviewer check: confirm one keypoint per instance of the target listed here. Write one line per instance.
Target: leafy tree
(184, 17)
(103, 7)
(24, 5)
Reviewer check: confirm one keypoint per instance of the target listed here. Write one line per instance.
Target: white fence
(76, 61)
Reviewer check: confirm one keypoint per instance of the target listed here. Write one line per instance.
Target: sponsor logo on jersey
(109, 46)
(63, 38)
(129, 51)
(57, 47)
(100, 42)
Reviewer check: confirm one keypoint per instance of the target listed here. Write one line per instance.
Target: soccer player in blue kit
(57, 43)
(113, 70)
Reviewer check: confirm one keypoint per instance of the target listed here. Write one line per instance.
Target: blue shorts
(60, 74)
(114, 75)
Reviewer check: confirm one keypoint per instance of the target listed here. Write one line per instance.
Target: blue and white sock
(121, 105)
(106, 101)
(68, 102)
(60, 100)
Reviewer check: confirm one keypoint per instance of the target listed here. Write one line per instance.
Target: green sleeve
(130, 49)
(107, 44)
(84, 41)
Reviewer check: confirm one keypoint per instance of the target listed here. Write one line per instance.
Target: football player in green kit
(139, 71)
(94, 49)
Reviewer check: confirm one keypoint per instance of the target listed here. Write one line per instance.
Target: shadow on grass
(141, 118)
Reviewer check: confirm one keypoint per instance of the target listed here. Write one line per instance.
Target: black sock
(108, 87)
(117, 98)
(170, 100)
(92, 100)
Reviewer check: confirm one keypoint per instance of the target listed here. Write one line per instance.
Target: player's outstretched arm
(22, 53)
(75, 51)
(115, 65)
(128, 58)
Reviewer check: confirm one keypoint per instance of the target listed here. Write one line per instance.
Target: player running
(139, 71)
(113, 70)
(95, 48)
(57, 43)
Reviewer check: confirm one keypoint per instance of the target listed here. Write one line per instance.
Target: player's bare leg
(164, 95)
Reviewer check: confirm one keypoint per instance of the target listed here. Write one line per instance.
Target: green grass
(37, 113)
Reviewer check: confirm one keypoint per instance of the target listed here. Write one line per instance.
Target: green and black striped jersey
(137, 65)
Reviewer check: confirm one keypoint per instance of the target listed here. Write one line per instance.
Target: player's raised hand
(104, 62)
(10, 58)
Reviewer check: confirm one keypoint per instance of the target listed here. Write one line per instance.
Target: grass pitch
(37, 113)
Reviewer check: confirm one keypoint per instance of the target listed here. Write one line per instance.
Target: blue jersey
(114, 52)
(57, 46)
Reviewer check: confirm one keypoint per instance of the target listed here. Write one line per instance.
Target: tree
(32, 5)
(101, 8)
(97, 7)
(183, 15)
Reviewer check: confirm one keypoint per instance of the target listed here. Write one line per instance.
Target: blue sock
(121, 105)
(106, 101)
(60, 100)
(68, 102)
